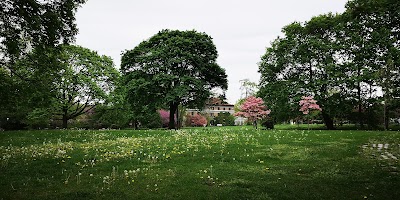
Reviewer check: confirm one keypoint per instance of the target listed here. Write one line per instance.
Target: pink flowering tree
(199, 120)
(307, 106)
(253, 109)
(164, 114)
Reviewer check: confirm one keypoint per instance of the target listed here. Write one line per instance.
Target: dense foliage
(225, 118)
(27, 26)
(348, 62)
(164, 114)
(86, 80)
(195, 120)
(172, 68)
(83, 79)
(343, 60)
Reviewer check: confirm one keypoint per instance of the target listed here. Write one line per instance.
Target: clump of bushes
(195, 120)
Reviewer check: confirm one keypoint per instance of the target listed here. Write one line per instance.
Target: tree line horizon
(341, 60)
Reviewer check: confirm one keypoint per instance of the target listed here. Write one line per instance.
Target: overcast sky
(241, 29)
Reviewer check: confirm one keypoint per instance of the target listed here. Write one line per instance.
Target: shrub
(225, 118)
(38, 118)
(107, 117)
(164, 114)
(268, 123)
(195, 120)
(151, 120)
(164, 117)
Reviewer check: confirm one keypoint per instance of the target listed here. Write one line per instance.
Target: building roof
(213, 101)
(230, 105)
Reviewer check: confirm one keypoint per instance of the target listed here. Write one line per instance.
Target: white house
(213, 108)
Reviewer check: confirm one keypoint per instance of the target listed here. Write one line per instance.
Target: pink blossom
(198, 120)
(307, 104)
(164, 114)
(253, 108)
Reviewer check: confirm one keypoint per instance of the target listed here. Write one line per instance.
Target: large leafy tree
(342, 60)
(277, 87)
(27, 87)
(87, 79)
(372, 45)
(83, 80)
(26, 25)
(304, 63)
(172, 68)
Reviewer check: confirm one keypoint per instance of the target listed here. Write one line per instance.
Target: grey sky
(241, 29)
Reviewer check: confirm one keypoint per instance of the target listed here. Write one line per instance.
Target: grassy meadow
(200, 163)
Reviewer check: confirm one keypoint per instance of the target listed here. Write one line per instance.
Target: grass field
(202, 163)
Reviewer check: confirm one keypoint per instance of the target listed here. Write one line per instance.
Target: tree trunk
(385, 116)
(328, 121)
(178, 124)
(135, 124)
(360, 114)
(64, 121)
(172, 109)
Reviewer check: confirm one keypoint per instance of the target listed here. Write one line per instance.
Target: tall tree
(343, 60)
(173, 68)
(277, 87)
(304, 62)
(83, 80)
(87, 79)
(26, 25)
(373, 40)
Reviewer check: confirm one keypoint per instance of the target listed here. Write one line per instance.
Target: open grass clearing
(201, 163)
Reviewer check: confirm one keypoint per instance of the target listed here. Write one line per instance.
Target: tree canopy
(86, 80)
(343, 60)
(27, 26)
(253, 108)
(83, 80)
(172, 68)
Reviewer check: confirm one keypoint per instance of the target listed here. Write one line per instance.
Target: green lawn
(201, 163)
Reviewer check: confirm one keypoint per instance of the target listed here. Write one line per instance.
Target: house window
(224, 108)
(192, 113)
(218, 108)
